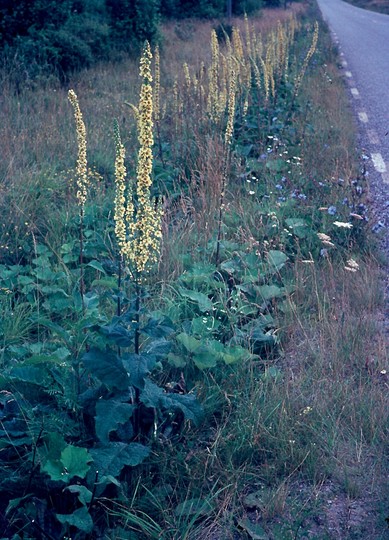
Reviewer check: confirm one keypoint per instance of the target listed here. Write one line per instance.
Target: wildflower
(82, 166)
(138, 230)
(342, 224)
(279, 186)
(309, 55)
(157, 85)
(302, 196)
(213, 97)
(356, 216)
(352, 266)
(331, 210)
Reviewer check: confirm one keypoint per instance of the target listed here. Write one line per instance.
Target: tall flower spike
(138, 225)
(308, 57)
(213, 98)
(82, 165)
(121, 205)
(157, 85)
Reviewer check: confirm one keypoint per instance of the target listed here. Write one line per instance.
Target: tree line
(40, 37)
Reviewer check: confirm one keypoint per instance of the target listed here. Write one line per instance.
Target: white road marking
(348, 74)
(363, 117)
(373, 136)
(378, 162)
(354, 92)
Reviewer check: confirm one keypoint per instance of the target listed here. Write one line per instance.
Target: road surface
(363, 40)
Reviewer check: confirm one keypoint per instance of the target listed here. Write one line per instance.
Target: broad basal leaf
(81, 519)
(107, 367)
(84, 494)
(276, 259)
(138, 366)
(74, 461)
(109, 415)
(155, 397)
(190, 343)
(202, 300)
(110, 458)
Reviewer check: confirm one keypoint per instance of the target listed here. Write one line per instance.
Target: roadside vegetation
(381, 6)
(191, 301)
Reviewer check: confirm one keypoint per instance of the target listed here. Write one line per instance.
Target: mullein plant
(137, 215)
(82, 180)
(227, 156)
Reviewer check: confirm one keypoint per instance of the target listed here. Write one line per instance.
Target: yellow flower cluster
(138, 225)
(82, 165)
(213, 97)
(231, 109)
(157, 85)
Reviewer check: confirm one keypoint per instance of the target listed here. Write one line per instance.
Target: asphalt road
(363, 40)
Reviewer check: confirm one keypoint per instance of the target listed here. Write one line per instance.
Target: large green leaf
(231, 355)
(81, 519)
(110, 458)
(190, 343)
(138, 367)
(83, 493)
(255, 531)
(109, 415)
(74, 461)
(117, 333)
(276, 259)
(268, 292)
(298, 226)
(155, 397)
(201, 299)
(107, 367)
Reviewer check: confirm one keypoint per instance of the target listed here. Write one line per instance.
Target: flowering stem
(81, 259)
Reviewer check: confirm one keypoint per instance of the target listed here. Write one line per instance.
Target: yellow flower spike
(213, 98)
(82, 165)
(237, 44)
(231, 109)
(265, 79)
(138, 229)
(157, 85)
(309, 55)
(120, 197)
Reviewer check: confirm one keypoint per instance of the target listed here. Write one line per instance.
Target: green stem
(81, 259)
